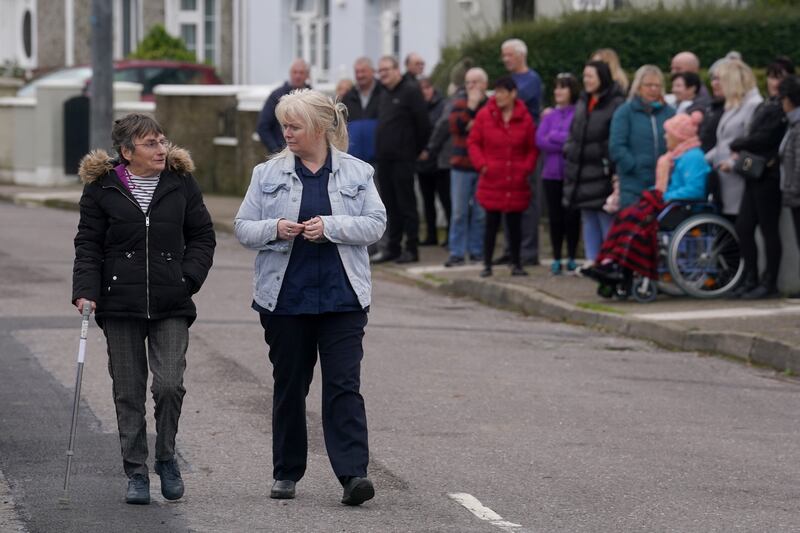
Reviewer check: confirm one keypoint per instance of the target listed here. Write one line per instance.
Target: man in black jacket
(269, 129)
(144, 246)
(403, 131)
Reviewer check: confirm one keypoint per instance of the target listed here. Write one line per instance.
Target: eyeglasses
(152, 145)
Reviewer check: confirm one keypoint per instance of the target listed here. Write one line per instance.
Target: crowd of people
(601, 143)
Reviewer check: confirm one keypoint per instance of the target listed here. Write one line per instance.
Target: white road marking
(732, 312)
(474, 506)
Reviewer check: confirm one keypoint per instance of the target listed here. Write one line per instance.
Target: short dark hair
(790, 88)
(780, 67)
(691, 79)
(568, 80)
(131, 127)
(505, 82)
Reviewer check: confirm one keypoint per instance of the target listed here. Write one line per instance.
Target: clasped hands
(311, 230)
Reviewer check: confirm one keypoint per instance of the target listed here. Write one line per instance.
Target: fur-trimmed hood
(98, 163)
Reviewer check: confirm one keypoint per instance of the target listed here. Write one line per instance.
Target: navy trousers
(294, 341)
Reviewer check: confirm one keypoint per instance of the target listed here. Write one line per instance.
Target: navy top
(315, 281)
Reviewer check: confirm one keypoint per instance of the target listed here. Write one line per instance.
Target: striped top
(143, 189)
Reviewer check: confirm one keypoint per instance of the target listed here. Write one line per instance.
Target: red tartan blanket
(632, 239)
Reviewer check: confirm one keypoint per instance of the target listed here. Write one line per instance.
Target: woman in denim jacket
(311, 212)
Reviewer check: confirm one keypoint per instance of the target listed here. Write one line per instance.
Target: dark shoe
(609, 273)
(357, 491)
(793, 296)
(761, 292)
(518, 271)
(531, 261)
(282, 489)
(383, 257)
(138, 490)
(486, 272)
(502, 260)
(454, 261)
(572, 266)
(476, 258)
(430, 241)
(407, 257)
(741, 290)
(171, 481)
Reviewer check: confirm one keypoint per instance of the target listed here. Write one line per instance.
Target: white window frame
(175, 17)
(136, 35)
(303, 22)
(390, 28)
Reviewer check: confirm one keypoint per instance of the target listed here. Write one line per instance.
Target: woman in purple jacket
(550, 138)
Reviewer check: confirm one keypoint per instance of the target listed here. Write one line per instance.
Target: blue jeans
(468, 218)
(595, 228)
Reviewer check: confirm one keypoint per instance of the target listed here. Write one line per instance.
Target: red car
(148, 72)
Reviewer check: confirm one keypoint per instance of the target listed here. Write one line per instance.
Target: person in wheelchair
(681, 174)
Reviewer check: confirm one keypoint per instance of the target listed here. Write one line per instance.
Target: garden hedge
(639, 37)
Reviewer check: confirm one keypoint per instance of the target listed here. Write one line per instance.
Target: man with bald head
(415, 66)
(269, 129)
(688, 62)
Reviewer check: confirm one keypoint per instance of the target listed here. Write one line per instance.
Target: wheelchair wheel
(704, 257)
(644, 290)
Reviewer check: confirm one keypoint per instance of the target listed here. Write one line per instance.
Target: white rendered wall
(422, 30)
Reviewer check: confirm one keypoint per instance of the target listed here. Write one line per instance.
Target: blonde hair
(736, 80)
(645, 70)
(316, 112)
(610, 58)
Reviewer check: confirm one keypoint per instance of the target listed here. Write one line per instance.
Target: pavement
(761, 333)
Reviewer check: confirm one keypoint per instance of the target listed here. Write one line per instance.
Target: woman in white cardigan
(741, 99)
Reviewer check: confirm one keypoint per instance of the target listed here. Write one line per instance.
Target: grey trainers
(138, 490)
(171, 481)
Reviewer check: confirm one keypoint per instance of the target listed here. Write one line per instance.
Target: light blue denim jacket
(358, 219)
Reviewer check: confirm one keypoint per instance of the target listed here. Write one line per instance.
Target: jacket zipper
(655, 137)
(146, 246)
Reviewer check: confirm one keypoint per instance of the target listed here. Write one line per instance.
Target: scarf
(667, 161)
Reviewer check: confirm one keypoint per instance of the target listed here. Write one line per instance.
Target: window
(197, 23)
(390, 28)
(127, 16)
(312, 35)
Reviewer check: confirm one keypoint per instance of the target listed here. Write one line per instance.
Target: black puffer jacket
(764, 136)
(137, 265)
(587, 174)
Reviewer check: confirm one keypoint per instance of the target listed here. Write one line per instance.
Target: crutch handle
(87, 310)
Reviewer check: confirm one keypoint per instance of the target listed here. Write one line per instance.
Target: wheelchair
(698, 255)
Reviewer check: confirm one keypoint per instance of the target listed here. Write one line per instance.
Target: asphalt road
(550, 427)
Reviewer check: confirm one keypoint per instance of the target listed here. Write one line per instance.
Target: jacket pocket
(353, 198)
(274, 198)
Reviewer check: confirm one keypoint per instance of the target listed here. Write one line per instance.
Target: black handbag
(751, 166)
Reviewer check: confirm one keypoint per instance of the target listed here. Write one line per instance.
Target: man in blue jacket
(362, 111)
(269, 129)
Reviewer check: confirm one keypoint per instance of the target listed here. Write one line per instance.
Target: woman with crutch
(144, 246)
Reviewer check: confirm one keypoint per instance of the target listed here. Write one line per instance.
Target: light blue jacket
(689, 177)
(358, 219)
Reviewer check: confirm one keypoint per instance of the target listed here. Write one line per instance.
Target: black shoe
(454, 261)
(761, 292)
(407, 257)
(171, 481)
(741, 290)
(531, 261)
(282, 489)
(502, 260)
(138, 490)
(476, 258)
(518, 271)
(486, 272)
(357, 491)
(430, 241)
(383, 257)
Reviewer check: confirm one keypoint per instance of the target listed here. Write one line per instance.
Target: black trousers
(761, 207)
(397, 192)
(294, 341)
(513, 227)
(563, 222)
(431, 184)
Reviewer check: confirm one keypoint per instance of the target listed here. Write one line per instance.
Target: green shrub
(158, 44)
(639, 37)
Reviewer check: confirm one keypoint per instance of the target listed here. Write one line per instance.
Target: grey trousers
(131, 344)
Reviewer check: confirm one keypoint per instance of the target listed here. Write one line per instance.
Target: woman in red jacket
(502, 148)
